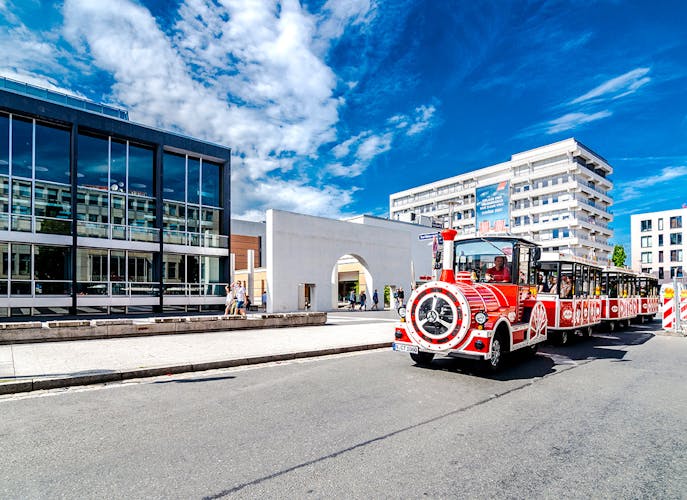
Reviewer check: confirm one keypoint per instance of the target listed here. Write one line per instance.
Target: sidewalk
(47, 365)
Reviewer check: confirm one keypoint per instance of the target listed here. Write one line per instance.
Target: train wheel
(587, 332)
(563, 337)
(422, 358)
(498, 353)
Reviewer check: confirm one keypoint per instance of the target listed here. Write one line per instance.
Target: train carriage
(649, 291)
(569, 288)
(620, 301)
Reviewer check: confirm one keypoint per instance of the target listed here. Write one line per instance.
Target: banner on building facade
(492, 211)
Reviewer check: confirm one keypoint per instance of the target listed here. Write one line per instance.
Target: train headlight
(481, 318)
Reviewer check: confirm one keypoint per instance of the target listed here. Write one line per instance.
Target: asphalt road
(606, 417)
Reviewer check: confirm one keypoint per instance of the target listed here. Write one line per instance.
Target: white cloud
(373, 146)
(238, 73)
(637, 188)
(617, 87)
(423, 119)
(573, 120)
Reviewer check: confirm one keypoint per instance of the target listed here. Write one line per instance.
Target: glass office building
(99, 215)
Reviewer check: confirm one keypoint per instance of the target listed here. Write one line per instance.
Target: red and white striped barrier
(668, 309)
(683, 305)
(668, 313)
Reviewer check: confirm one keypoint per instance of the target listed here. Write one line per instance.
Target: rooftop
(61, 98)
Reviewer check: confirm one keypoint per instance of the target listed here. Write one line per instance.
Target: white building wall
(646, 246)
(303, 249)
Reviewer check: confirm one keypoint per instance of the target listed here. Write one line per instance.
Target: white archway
(303, 249)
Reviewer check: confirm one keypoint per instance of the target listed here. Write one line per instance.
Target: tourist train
(500, 294)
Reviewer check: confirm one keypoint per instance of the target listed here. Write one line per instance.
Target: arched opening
(351, 277)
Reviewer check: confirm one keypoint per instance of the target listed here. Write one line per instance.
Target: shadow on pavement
(521, 365)
(194, 380)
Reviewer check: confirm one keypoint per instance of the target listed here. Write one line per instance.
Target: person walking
(351, 300)
(375, 300)
(401, 296)
(229, 300)
(241, 299)
(363, 299)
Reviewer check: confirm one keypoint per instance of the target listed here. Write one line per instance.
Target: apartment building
(659, 243)
(102, 215)
(557, 195)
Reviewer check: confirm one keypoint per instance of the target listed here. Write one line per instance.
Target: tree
(619, 256)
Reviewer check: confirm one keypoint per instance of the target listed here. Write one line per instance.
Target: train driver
(499, 271)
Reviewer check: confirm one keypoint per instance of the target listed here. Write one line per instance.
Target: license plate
(405, 348)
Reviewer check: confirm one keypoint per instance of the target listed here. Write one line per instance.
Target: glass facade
(114, 207)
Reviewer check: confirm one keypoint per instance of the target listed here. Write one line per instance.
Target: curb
(38, 384)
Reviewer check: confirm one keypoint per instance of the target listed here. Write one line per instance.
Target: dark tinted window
(118, 166)
(140, 170)
(52, 154)
(211, 184)
(193, 180)
(4, 145)
(92, 162)
(22, 132)
(174, 181)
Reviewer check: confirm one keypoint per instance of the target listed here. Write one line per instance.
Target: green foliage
(619, 256)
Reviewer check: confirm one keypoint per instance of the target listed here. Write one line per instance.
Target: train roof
(566, 257)
(502, 237)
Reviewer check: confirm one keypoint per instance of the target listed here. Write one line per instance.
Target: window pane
(193, 221)
(52, 154)
(211, 220)
(22, 137)
(211, 184)
(173, 268)
(174, 172)
(211, 269)
(92, 162)
(53, 200)
(21, 262)
(4, 144)
(140, 266)
(4, 262)
(91, 264)
(21, 197)
(117, 265)
(4, 195)
(141, 212)
(140, 170)
(91, 205)
(118, 166)
(52, 263)
(118, 210)
(193, 180)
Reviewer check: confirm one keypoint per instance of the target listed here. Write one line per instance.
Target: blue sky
(330, 106)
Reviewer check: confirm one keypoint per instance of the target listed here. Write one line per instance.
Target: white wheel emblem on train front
(439, 316)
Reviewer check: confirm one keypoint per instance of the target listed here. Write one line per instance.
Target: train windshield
(487, 260)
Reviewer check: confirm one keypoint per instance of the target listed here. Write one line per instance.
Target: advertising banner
(492, 213)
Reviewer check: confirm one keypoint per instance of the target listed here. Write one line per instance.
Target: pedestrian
(230, 298)
(375, 300)
(264, 299)
(351, 300)
(401, 296)
(363, 299)
(240, 298)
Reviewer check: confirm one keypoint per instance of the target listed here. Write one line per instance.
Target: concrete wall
(303, 249)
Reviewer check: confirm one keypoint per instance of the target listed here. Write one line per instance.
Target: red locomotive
(481, 307)
(499, 294)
